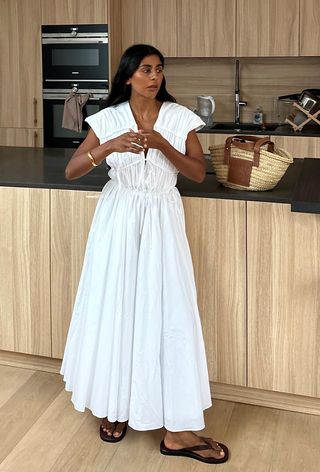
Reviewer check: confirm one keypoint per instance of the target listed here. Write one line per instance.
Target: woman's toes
(118, 431)
(108, 427)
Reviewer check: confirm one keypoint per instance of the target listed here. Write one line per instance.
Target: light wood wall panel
(299, 146)
(74, 11)
(20, 71)
(206, 28)
(25, 271)
(267, 28)
(216, 234)
(21, 137)
(283, 299)
(152, 22)
(309, 27)
(115, 38)
(71, 216)
(262, 80)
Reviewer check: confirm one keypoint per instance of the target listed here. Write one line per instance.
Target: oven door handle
(75, 40)
(63, 96)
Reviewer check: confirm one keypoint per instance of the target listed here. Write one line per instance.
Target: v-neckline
(137, 127)
(134, 120)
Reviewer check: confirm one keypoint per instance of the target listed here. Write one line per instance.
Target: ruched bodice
(153, 172)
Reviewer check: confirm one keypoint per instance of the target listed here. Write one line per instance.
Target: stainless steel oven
(53, 105)
(74, 52)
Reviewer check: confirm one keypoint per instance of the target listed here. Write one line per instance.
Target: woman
(135, 353)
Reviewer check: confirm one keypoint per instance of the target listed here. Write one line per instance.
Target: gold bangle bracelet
(93, 162)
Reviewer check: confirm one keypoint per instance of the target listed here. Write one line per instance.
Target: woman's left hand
(152, 139)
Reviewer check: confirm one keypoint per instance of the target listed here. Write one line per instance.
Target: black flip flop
(104, 435)
(189, 452)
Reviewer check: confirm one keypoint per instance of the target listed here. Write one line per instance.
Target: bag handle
(254, 144)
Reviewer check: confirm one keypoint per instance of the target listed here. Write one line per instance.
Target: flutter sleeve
(194, 121)
(191, 122)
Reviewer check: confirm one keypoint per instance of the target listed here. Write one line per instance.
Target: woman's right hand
(80, 164)
(128, 142)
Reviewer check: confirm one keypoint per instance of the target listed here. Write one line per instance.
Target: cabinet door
(309, 28)
(217, 237)
(25, 271)
(20, 71)
(152, 22)
(283, 299)
(74, 11)
(21, 137)
(299, 146)
(206, 28)
(71, 216)
(211, 139)
(268, 28)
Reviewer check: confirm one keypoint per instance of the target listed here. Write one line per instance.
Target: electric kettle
(205, 108)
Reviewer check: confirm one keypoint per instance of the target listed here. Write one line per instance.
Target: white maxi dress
(135, 349)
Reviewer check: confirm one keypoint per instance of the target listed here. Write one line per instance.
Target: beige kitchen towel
(72, 111)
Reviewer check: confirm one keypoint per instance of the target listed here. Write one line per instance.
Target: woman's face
(146, 80)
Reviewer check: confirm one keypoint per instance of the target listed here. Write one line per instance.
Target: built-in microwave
(54, 135)
(75, 52)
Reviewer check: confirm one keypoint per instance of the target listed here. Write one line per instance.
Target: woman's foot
(185, 439)
(114, 429)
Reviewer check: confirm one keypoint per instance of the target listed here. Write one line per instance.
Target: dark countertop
(44, 168)
(281, 130)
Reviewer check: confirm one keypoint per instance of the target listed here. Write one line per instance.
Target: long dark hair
(129, 63)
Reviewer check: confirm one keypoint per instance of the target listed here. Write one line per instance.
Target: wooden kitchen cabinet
(217, 236)
(20, 71)
(152, 23)
(283, 299)
(267, 28)
(25, 271)
(21, 137)
(74, 11)
(309, 28)
(206, 28)
(71, 217)
(299, 146)
(211, 139)
(181, 28)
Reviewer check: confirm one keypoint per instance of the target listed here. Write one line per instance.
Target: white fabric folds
(135, 348)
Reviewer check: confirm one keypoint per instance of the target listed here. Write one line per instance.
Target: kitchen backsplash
(262, 80)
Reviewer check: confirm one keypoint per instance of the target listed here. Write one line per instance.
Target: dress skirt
(135, 349)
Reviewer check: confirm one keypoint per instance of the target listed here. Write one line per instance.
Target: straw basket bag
(242, 163)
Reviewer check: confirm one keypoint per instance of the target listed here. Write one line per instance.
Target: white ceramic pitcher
(205, 108)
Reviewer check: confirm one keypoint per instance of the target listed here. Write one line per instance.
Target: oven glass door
(75, 61)
(54, 134)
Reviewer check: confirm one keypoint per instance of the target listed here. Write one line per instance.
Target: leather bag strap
(247, 143)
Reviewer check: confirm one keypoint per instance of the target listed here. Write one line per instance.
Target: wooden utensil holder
(309, 117)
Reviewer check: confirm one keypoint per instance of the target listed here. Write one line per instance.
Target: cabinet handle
(35, 138)
(92, 196)
(35, 118)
